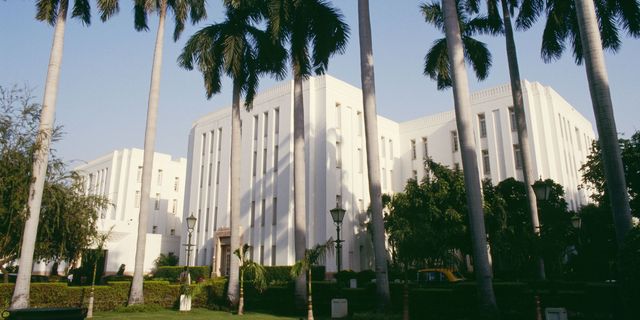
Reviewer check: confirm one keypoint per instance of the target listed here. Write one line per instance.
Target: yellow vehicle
(438, 276)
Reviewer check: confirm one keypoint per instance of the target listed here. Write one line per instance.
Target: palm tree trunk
(486, 297)
(91, 293)
(241, 300)
(607, 133)
(299, 184)
(236, 137)
(309, 295)
(521, 126)
(373, 157)
(605, 121)
(136, 295)
(20, 297)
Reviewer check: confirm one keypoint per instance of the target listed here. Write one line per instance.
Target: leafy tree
(166, 260)
(593, 173)
(314, 31)
(182, 9)
(312, 257)
(253, 269)
(240, 50)
(596, 246)
(68, 215)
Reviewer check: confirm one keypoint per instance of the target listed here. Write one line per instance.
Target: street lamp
(576, 222)
(542, 190)
(191, 223)
(337, 214)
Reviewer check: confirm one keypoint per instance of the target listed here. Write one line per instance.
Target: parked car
(432, 276)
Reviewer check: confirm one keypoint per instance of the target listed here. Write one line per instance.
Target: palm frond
(436, 64)
(140, 15)
(432, 13)
(82, 10)
(108, 8)
(530, 11)
(478, 55)
(47, 10)
(329, 33)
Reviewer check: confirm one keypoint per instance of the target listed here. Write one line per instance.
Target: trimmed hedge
(586, 301)
(172, 273)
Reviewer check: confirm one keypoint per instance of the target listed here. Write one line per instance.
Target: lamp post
(191, 223)
(542, 191)
(337, 214)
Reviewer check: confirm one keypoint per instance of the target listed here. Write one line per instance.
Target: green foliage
(630, 266)
(168, 260)
(172, 273)
(250, 267)
(593, 173)
(428, 221)
(312, 257)
(67, 216)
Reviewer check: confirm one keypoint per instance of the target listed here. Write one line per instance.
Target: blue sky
(104, 84)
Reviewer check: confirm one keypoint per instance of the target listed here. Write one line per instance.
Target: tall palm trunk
(136, 295)
(234, 223)
(373, 156)
(241, 300)
(20, 297)
(299, 184)
(607, 133)
(521, 126)
(309, 295)
(605, 121)
(486, 297)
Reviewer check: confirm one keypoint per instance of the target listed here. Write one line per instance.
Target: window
(154, 229)
(211, 146)
(266, 123)
(359, 160)
(425, 148)
(201, 175)
(218, 173)
(174, 206)
(274, 218)
(413, 149)
(219, 139)
(517, 155)
(204, 143)
(390, 179)
(578, 139)
(415, 175)
(137, 199)
(338, 116)
(255, 160)
(382, 149)
(210, 173)
(360, 205)
(139, 178)
(255, 127)
(262, 212)
(512, 118)
(273, 255)
(454, 141)
(176, 184)
(486, 166)
(206, 223)
(157, 202)
(360, 123)
(482, 123)
(275, 158)
(172, 232)
(264, 161)
(277, 120)
(456, 166)
(390, 149)
(384, 178)
(160, 177)
(215, 218)
(338, 155)
(262, 254)
(253, 212)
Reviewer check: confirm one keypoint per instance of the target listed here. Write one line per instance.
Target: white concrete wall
(334, 119)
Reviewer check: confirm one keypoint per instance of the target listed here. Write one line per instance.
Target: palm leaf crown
(182, 9)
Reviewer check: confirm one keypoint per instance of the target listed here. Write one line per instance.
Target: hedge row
(516, 300)
(172, 273)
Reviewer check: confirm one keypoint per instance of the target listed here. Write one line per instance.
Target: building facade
(336, 164)
(118, 176)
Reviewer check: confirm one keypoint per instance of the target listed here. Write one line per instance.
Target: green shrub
(343, 276)
(116, 278)
(172, 273)
(365, 276)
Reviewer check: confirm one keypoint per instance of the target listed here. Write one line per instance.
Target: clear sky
(104, 83)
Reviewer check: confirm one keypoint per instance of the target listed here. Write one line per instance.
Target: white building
(336, 163)
(118, 176)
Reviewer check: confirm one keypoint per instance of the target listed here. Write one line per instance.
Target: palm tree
(302, 267)
(315, 31)
(181, 9)
(238, 49)
(436, 61)
(373, 160)
(95, 255)
(482, 268)
(54, 12)
(249, 266)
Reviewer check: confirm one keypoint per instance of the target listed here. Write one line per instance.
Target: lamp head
(337, 214)
(542, 190)
(191, 222)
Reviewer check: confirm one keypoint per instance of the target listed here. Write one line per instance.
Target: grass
(194, 314)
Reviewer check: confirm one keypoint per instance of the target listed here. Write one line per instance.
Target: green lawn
(193, 314)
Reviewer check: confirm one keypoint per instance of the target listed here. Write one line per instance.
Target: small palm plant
(95, 255)
(251, 267)
(313, 256)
